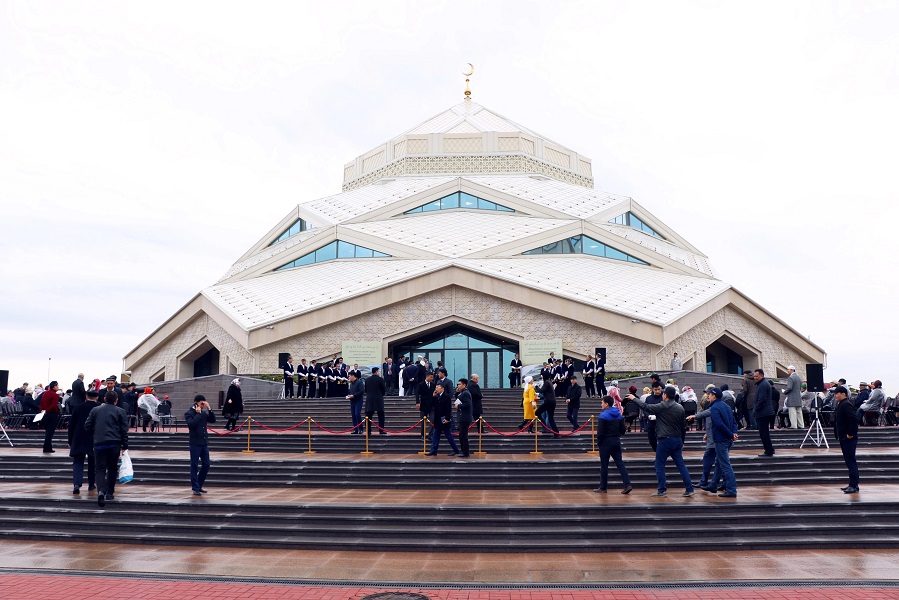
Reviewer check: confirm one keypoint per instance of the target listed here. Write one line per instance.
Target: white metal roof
(270, 251)
(645, 293)
(478, 117)
(572, 200)
(255, 302)
(659, 246)
(459, 232)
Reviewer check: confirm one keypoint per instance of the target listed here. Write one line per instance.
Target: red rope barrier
(489, 426)
(314, 422)
(559, 432)
(300, 424)
(396, 432)
(208, 428)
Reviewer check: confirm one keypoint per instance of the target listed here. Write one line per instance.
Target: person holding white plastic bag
(109, 425)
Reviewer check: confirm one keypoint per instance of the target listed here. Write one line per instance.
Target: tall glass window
(632, 220)
(298, 226)
(336, 249)
(582, 244)
(459, 200)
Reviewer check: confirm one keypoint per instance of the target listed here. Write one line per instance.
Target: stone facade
(733, 322)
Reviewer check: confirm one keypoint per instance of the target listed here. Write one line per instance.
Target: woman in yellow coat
(529, 403)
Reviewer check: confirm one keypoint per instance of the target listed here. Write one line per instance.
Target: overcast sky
(145, 147)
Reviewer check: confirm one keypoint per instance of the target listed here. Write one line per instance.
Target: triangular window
(459, 200)
(334, 250)
(297, 227)
(582, 244)
(632, 220)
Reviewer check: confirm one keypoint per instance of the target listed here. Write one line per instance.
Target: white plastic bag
(126, 469)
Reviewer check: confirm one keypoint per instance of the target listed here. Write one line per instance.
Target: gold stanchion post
(536, 437)
(310, 450)
(480, 451)
(593, 435)
(367, 424)
(249, 426)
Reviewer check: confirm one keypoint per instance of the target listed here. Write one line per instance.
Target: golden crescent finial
(468, 72)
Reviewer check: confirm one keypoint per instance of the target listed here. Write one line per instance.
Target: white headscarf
(529, 380)
(236, 382)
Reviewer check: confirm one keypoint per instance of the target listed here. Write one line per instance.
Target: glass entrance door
(487, 364)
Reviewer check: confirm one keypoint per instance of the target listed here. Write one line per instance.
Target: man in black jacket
(424, 398)
(81, 443)
(548, 407)
(845, 429)
(573, 401)
(763, 410)
(463, 403)
(355, 396)
(411, 378)
(197, 417)
(109, 426)
(443, 410)
(374, 399)
(389, 373)
(288, 370)
(302, 381)
(78, 393)
(477, 400)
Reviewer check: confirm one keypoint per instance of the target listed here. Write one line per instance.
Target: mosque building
(467, 239)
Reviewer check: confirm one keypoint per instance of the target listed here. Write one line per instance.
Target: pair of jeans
(673, 447)
(356, 414)
(765, 434)
(571, 413)
(611, 447)
(708, 461)
(198, 454)
(848, 447)
(78, 469)
(107, 463)
(725, 470)
(441, 428)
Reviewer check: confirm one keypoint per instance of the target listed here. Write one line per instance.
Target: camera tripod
(4, 434)
(819, 433)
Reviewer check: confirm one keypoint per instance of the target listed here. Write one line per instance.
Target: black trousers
(288, 387)
(312, 389)
(601, 386)
(463, 436)
(107, 469)
(322, 389)
(514, 380)
(611, 448)
(848, 447)
(301, 387)
(49, 422)
(370, 414)
(588, 384)
(763, 424)
(550, 410)
(651, 434)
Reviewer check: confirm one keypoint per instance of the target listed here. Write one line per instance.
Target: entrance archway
(728, 354)
(463, 351)
(199, 361)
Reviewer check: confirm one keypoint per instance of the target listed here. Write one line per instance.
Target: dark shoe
(851, 490)
(76, 491)
(727, 495)
(627, 490)
(110, 497)
(687, 494)
(198, 493)
(202, 491)
(101, 500)
(600, 491)
(49, 451)
(704, 488)
(464, 455)
(431, 454)
(658, 495)
(765, 455)
(720, 489)
(91, 488)
(453, 454)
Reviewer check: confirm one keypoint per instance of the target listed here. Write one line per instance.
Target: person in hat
(845, 429)
(873, 403)
(793, 402)
(609, 429)
(81, 444)
(50, 404)
(233, 404)
(723, 430)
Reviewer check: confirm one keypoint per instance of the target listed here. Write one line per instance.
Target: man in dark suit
(548, 407)
(443, 409)
(764, 408)
(355, 395)
(424, 400)
(78, 393)
(389, 373)
(845, 429)
(573, 400)
(288, 369)
(375, 388)
(302, 381)
(411, 379)
(463, 404)
(313, 378)
(515, 375)
(81, 443)
(477, 400)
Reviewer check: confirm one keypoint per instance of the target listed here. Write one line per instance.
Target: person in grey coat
(873, 403)
(793, 402)
(375, 388)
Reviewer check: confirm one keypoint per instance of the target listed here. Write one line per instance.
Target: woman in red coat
(50, 404)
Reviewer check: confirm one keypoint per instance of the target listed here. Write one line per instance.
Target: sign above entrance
(362, 352)
(537, 351)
